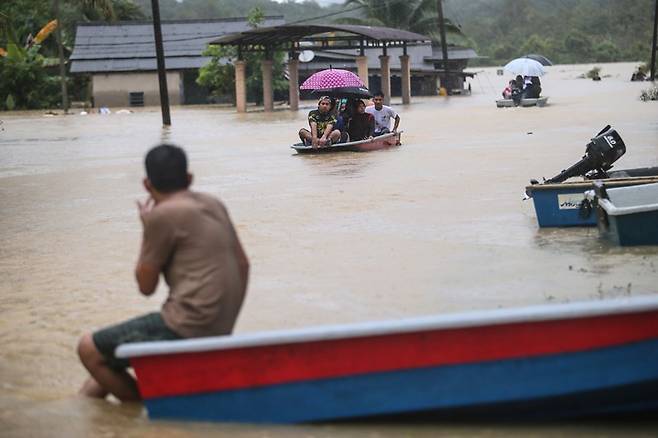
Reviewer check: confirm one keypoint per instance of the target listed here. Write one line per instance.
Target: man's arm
(325, 134)
(397, 123)
(147, 278)
(157, 244)
(243, 263)
(314, 132)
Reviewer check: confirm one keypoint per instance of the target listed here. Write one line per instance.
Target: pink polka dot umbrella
(332, 78)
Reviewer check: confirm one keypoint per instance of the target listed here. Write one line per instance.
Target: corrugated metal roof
(130, 46)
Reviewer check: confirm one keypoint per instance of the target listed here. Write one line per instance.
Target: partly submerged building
(425, 65)
(120, 57)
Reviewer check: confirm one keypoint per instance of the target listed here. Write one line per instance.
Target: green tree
(24, 82)
(418, 16)
(219, 74)
(606, 51)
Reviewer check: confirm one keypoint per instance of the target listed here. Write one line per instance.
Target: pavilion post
(385, 67)
(268, 91)
(240, 84)
(362, 65)
(293, 81)
(406, 76)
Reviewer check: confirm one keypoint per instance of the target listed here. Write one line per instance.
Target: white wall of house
(113, 89)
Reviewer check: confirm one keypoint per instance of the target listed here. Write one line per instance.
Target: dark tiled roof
(129, 46)
(454, 52)
(346, 58)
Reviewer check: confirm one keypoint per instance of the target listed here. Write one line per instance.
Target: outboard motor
(604, 149)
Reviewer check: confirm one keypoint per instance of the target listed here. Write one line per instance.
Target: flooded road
(435, 226)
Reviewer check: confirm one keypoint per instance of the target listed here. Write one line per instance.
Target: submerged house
(120, 57)
(425, 64)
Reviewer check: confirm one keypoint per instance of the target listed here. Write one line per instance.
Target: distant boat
(380, 142)
(507, 103)
(560, 360)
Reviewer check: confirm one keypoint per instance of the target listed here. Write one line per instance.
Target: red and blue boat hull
(555, 363)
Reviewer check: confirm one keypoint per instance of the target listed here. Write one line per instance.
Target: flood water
(435, 226)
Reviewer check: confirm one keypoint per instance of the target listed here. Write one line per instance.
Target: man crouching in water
(322, 122)
(189, 238)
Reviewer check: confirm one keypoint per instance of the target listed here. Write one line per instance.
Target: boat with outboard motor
(557, 201)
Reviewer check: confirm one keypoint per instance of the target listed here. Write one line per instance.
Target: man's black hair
(379, 94)
(166, 168)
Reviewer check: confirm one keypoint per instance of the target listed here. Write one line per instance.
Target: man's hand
(323, 141)
(145, 208)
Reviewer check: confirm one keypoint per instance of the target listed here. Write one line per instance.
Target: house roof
(455, 53)
(286, 35)
(130, 46)
(421, 57)
(346, 58)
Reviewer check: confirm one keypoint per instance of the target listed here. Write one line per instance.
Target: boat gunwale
(302, 147)
(321, 333)
(587, 184)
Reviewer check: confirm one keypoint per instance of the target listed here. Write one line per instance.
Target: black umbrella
(355, 92)
(539, 58)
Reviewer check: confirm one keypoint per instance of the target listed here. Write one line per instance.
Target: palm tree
(418, 16)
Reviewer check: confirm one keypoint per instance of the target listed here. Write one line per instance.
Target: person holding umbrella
(322, 123)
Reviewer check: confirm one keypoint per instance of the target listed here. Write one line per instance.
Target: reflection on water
(434, 226)
(344, 164)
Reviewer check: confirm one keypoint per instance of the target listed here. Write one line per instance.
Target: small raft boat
(380, 142)
(507, 103)
(559, 360)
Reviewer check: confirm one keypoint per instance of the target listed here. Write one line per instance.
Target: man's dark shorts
(149, 327)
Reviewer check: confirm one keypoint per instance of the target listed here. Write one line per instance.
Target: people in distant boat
(383, 115)
(362, 124)
(507, 91)
(343, 116)
(189, 238)
(532, 87)
(321, 123)
(517, 89)
(639, 75)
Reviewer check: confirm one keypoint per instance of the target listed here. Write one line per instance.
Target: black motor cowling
(604, 149)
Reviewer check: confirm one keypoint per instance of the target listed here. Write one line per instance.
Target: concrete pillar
(386, 77)
(268, 96)
(241, 86)
(362, 69)
(406, 79)
(293, 91)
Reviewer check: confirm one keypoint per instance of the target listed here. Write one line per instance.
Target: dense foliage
(219, 74)
(566, 31)
(25, 83)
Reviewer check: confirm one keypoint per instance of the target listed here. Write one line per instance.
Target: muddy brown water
(432, 227)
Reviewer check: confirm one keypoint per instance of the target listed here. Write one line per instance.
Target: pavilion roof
(313, 36)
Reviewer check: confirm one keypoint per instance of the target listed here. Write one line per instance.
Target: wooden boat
(558, 204)
(380, 142)
(625, 215)
(574, 359)
(506, 103)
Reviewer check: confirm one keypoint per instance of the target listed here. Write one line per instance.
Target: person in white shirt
(383, 115)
